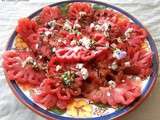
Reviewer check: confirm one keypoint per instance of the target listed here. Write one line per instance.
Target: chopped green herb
(58, 111)
(68, 77)
(98, 7)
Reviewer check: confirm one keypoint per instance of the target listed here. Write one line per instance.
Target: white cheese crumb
(113, 66)
(27, 60)
(79, 65)
(113, 45)
(58, 67)
(112, 83)
(76, 25)
(82, 13)
(59, 40)
(123, 81)
(52, 24)
(53, 49)
(108, 94)
(67, 25)
(105, 26)
(92, 25)
(73, 42)
(107, 45)
(40, 56)
(127, 64)
(119, 54)
(128, 32)
(47, 33)
(84, 73)
(36, 46)
(86, 42)
(102, 27)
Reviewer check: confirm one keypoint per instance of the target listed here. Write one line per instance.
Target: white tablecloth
(148, 12)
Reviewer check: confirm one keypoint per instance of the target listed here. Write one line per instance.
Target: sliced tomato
(124, 94)
(63, 94)
(137, 36)
(13, 64)
(76, 8)
(47, 100)
(26, 27)
(106, 14)
(49, 13)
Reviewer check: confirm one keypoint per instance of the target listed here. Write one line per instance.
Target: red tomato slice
(49, 13)
(13, 64)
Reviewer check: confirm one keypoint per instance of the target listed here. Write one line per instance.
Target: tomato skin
(15, 71)
(26, 27)
(124, 94)
(49, 13)
(66, 95)
(75, 8)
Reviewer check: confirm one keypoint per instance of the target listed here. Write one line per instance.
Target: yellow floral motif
(20, 44)
(79, 108)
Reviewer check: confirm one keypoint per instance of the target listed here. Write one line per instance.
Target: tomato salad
(97, 54)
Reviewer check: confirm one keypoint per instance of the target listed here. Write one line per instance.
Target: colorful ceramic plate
(90, 110)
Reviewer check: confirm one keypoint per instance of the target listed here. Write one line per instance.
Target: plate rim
(21, 96)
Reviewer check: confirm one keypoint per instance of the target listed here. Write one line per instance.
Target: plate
(147, 86)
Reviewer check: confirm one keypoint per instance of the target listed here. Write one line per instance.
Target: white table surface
(147, 11)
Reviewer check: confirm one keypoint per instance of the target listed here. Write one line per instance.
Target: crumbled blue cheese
(40, 56)
(83, 70)
(128, 32)
(108, 94)
(79, 65)
(67, 25)
(86, 42)
(27, 60)
(113, 66)
(102, 27)
(105, 26)
(52, 24)
(58, 67)
(53, 50)
(112, 83)
(107, 45)
(123, 81)
(47, 33)
(36, 46)
(73, 42)
(84, 73)
(113, 45)
(127, 64)
(92, 25)
(119, 54)
(82, 13)
(59, 40)
(76, 25)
